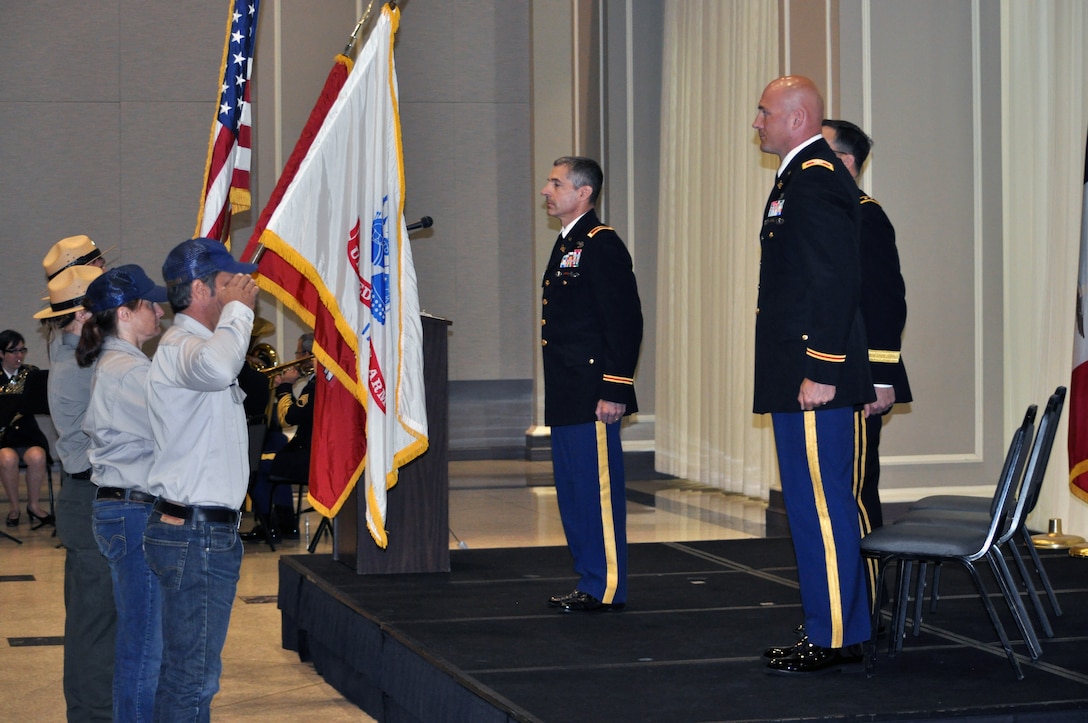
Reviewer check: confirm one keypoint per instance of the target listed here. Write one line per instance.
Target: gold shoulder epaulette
(602, 227)
(817, 162)
(869, 199)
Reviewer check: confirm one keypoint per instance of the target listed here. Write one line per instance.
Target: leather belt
(85, 474)
(196, 513)
(120, 493)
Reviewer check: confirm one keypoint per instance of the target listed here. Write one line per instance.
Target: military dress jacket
(808, 322)
(883, 299)
(591, 325)
(18, 430)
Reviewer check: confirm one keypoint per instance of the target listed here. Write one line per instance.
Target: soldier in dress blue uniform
(591, 331)
(884, 309)
(812, 371)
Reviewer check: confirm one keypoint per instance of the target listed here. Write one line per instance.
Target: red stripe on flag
(339, 440)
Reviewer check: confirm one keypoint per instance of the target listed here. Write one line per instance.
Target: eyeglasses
(16, 350)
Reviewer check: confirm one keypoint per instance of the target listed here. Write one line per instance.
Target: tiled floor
(492, 504)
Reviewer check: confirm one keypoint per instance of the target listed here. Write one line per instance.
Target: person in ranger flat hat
(89, 616)
(72, 251)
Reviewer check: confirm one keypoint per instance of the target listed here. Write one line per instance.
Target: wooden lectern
(417, 511)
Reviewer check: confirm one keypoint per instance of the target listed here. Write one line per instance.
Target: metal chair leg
(1041, 571)
(1016, 605)
(1033, 593)
(995, 621)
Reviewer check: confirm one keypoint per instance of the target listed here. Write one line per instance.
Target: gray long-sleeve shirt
(69, 392)
(117, 421)
(197, 417)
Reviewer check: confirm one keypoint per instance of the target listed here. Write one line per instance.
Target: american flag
(226, 177)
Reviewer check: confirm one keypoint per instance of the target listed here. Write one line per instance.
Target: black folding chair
(973, 510)
(964, 545)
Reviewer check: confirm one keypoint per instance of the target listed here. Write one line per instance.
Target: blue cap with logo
(200, 257)
(121, 285)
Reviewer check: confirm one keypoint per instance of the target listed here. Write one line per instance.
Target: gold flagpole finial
(358, 26)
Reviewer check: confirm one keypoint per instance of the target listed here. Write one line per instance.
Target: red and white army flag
(337, 252)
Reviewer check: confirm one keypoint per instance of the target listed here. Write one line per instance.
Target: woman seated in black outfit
(20, 436)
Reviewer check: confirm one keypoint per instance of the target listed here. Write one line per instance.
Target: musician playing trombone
(287, 446)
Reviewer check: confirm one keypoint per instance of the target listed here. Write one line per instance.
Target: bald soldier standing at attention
(812, 370)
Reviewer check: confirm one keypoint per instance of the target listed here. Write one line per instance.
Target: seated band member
(20, 437)
(286, 456)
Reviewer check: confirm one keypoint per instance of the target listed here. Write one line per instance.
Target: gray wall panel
(922, 174)
(469, 51)
(162, 167)
(59, 177)
(171, 51)
(59, 51)
(474, 268)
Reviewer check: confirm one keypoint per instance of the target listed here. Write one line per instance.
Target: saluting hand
(240, 287)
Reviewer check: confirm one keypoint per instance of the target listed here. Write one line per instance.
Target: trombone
(271, 372)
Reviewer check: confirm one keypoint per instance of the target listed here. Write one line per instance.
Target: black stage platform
(479, 644)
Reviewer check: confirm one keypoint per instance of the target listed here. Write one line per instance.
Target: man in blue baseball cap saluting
(201, 468)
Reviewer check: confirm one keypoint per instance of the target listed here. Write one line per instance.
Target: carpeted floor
(479, 643)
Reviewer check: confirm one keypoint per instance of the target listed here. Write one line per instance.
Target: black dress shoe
(583, 602)
(782, 652)
(14, 521)
(556, 601)
(812, 658)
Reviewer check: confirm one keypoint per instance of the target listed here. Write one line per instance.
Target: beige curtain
(714, 183)
(1044, 72)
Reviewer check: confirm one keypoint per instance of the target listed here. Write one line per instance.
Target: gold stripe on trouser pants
(831, 562)
(604, 479)
(861, 459)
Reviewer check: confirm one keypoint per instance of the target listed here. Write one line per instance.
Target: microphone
(425, 222)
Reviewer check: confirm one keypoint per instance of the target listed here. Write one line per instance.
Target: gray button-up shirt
(197, 418)
(117, 421)
(69, 391)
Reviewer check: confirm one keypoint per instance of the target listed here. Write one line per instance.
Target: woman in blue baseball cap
(126, 311)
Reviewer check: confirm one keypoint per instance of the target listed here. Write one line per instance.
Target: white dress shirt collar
(566, 229)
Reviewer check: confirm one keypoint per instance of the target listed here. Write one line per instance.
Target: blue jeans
(119, 529)
(197, 564)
